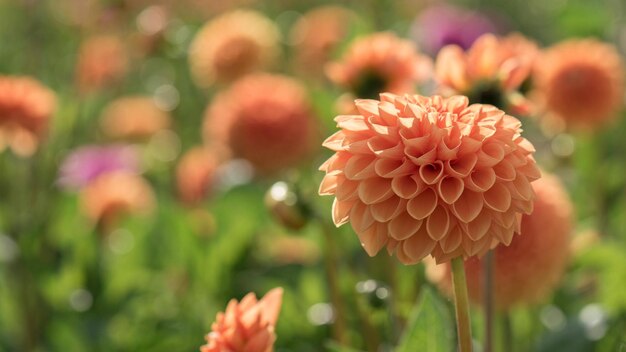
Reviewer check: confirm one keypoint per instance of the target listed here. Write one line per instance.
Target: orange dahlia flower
(133, 117)
(266, 119)
(247, 325)
(527, 270)
(490, 72)
(195, 174)
(26, 107)
(102, 61)
(232, 45)
(317, 34)
(378, 63)
(429, 175)
(114, 194)
(580, 82)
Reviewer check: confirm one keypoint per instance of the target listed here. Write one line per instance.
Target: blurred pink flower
(440, 25)
(581, 82)
(265, 119)
(232, 45)
(87, 163)
(381, 62)
(429, 176)
(529, 269)
(490, 72)
(247, 325)
(26, 107)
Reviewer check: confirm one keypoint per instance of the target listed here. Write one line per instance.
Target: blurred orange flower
(490, 72)
(529, 269)
(317, 34)
(232, 45)
(266, 119)
(429, 175)
(114, 194)
(102, 61)
(195, 174)
(378, 63)
(580, 82)
(247, 325)
(26, 107)
(133, 117)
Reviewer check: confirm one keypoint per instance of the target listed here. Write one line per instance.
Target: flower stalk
(461, 305)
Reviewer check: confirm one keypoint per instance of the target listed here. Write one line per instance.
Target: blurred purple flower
(440, 25)
(87, 163)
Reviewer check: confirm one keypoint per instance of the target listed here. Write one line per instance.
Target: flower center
(369, 85)
(487, 92)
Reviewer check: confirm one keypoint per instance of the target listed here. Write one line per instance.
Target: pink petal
(403, 226)
(388, 209)
(407, 187)
(431, 173)
(480, 180)
(270, 305)
(423, 204)
(438, 223)
(479, 227)
(461, 167)
(468, 206)
(450, 189)
(360, 167)
(418, 246)
(374, 239)
(498, 198)
(393, 167)
(341, 211)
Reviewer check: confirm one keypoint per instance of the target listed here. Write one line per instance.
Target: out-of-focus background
(115, 237)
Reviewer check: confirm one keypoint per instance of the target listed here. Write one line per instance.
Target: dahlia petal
(335, 142)
(450, 189)
(394, 168)
(468, 206)
(407, 187)
(387, 112)
(375, 190)
(481, 180)
(462, 166)
(353, 123)
(346, 190)
(270, 305)
(477, 228)
(525, 145)
(445, 152)
(505, 171)
(438, 223)
(403, 257)
(360, 217)
(431, 173)
(328, 185)
(490, 154)
(423, 159)
(456, 104)
(452, 241)
(374, 238)
(367, 107)
(450, 68)
(360, 167)
(359, 147)
(498, 198)
(382, 148)
(423, 204)
(531, 170)
(341, 211)
(418, 246)
(415, 146)
(522, 188)
(388, 209)
(469, 145)
(258, 342)
(403, 226)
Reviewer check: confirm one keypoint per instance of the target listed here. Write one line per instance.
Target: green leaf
(430, 328)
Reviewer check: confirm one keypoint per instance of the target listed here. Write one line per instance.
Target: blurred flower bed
(162, 164)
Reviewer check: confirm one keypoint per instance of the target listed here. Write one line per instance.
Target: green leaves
(430, 327)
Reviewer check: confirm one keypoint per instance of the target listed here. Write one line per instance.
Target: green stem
(507, 330)
(331, 265)
(488, 300)
(461, 305)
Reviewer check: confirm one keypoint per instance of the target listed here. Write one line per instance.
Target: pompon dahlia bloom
(133, 117)
(195, 174)
(247, 325)
(85, 164)
(441, 25)
(102, 61)
(429, 175)
(317, 34)
(380, 62)
(580, 81)
(26, 107)
(266, 119)
(232, 45)
(108, 197)
(490, 72)
(529, 269)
